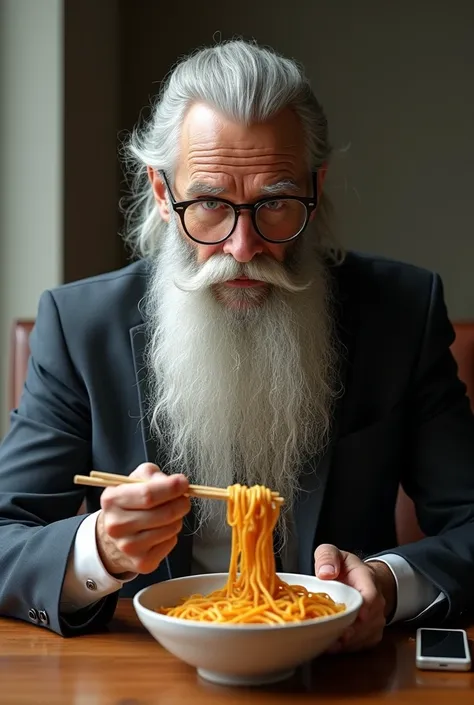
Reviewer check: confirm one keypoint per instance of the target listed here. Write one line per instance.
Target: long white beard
(242, 384)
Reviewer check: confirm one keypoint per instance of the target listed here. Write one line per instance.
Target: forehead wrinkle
(262, 165)
(200, 153)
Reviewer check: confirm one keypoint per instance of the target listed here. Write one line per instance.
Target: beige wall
(31, 100)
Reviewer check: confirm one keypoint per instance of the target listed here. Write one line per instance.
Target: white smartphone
(442, 650)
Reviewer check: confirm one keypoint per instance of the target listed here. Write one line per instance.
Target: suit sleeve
(49, 441)
(439, 474)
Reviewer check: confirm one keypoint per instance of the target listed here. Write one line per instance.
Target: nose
(244, 243)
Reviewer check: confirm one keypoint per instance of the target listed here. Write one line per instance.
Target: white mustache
(222, 268)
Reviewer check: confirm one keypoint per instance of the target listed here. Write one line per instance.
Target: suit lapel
(179, 560)
(313, 481)
(315, 473)
(138, 342)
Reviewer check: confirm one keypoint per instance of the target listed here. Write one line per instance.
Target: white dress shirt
(86, 580)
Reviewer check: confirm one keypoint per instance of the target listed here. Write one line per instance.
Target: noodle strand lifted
(254, 594)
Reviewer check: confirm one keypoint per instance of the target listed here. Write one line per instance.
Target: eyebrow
(202, 189)
(198, 188)
(281, 187)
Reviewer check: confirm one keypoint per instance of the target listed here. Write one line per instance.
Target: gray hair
(244, 82)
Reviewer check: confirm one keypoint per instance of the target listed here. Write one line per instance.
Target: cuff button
(33, 615)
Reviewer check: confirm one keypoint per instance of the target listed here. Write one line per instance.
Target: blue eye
(274, 205)
(210, 205)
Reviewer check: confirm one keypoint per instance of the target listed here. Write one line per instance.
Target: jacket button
(33, 615)
(43, 617)
(91, 584)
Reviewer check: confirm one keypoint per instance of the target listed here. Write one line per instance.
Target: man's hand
(377, 586)
(139, 523)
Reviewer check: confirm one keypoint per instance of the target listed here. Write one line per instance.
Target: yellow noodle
(254, 594)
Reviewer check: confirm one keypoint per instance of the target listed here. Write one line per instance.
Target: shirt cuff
(86, 580)
(415, 593)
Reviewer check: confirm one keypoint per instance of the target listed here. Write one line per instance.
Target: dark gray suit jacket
(404, 417)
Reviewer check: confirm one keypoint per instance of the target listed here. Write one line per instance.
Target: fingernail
(326, 570)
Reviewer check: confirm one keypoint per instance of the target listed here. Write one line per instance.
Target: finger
(327, 561)
(360, 636)
(145, 471)
(151, 560)
(362, 641)
(159, 489)
(347, 637)
(138, 545)
(120, 523)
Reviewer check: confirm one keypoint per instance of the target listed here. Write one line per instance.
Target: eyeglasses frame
(180, 208)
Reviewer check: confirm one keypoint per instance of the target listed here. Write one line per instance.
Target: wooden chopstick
(94, 481)
(220, 491)
(107, 479)
(194, 490)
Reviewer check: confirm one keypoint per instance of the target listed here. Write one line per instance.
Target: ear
(320, 179)
(159, 191)
(322, 171)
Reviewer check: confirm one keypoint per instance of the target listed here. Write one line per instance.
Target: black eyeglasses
(278, 219)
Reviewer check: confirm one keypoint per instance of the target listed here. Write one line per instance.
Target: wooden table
(125, 666)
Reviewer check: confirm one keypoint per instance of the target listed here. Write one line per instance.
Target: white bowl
(243, 654)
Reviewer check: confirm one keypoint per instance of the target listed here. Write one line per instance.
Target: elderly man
(242, 345)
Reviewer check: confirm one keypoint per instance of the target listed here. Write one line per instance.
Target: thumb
(145, 471)
(327, 561)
